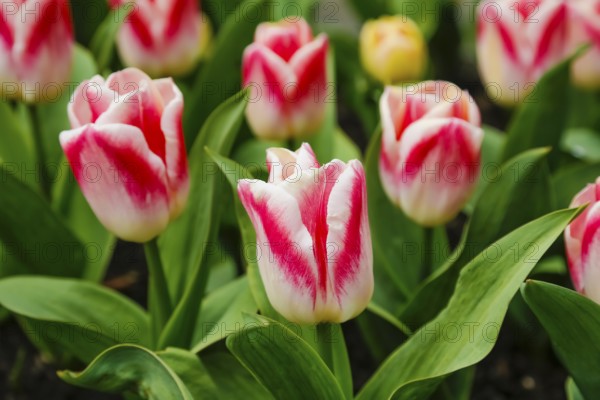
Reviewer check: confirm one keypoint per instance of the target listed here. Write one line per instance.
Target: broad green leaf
(222, 313)
(16, 149)
(396, 239)
(233, 172)
(275, 355)
(541, 119)
(220, 78)
(69, 203)
(184, 242)
(232, 379)
(34, 234)
(466, 330)
(82, 317)
(515, 194)
(457, 386)
(130, 369)
(343, 147)
(573, 324)
(573, 392)
(191, 371)
(582, 143)
(571, 180)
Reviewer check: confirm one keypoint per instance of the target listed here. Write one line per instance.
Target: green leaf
(233, 172)
(515, 194)
(232, 379)
(275, 355)
(102, 44)
(343, 147)
(16, 153)
(395, 238)
(466, 330)
(184, 242)
(33, 233)
(82, 317)
(582, 143)
(222, 313)
(132, 370)
(573, 324)
(573, 392)
(191, 371)
(571, 180)
(541, 119)
(220, 78)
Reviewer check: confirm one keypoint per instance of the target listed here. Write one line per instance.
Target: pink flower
(582, 239)
(162, 37)
(313, 239)
(127, 152)
(36, 43)
(584, 28)
(517, 42)
(286, 70)
(430, 149)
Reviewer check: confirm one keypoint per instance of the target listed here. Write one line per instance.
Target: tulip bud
(582, 240)
(127, 152)
(313, 239)
(393, 49)
(163, 38)
(584, 28)
(517, 42)
(36, 44)
(286, 70)
(430, 149)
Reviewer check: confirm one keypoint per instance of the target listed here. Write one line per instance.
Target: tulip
(393, 49)
(313, 240)
(430, 149)
(36, 44)
(584, 28)
(582, 243)
(162, 37)
(127, 152)
(286, 69)
(517, 42)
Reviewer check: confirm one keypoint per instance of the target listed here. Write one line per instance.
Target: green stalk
(427, 267)
(325, 343)
(159, 301)
(38, 143)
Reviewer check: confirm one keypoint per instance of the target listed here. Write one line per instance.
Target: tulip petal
(589, 270)
(349, 249)
(439, 165)
(284, 38)
(284, 164)
(89, 101)
(123, 181)
(284, 249)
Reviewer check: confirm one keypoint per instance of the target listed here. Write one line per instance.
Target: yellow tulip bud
(393, 49)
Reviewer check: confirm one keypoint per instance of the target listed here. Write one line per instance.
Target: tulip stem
(427, 267)
(159, 301)
(38, 142)
(325, 343)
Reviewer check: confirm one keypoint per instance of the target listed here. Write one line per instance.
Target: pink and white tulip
(582, 240)
(584, 28)
(286, 70)
(313, 239)
(127, 152)
(36, 44)
(517, 42)
(430, 149)
(162, 37)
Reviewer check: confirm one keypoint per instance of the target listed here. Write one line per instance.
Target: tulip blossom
(517, 42)
(393, 49)
(127, 152)
(313, 239)
(582, 239)
(584, 28)
(430, 149)
(286, 69)
(36, 43)
(162, 37)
